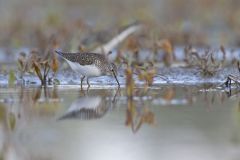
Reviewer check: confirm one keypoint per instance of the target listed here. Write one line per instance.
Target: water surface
(163, 122)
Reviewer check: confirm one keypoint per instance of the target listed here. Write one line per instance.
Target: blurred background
(197, 22)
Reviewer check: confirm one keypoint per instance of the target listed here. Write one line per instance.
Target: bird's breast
(86, 70)
(90, 70)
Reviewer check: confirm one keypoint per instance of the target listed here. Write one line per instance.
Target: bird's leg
(82, 81)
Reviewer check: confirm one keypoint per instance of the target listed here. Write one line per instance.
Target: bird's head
(112, 69)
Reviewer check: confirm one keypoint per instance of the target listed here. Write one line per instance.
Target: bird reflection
(89, 107)
(86, 108)
(232, 92)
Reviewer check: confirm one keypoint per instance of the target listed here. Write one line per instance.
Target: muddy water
(164, 122)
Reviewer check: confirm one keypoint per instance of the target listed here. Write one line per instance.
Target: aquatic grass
(166, 46)
(37, 65)
(40, 61)
(205, 61)
(42, 75)
(22, 61)
(146, 74)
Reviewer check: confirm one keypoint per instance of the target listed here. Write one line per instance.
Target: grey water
(163, 122)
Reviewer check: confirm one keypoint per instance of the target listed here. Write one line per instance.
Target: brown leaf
(37, 70)
(166, 45)
(44, 63)
(22, 61)
(223, 50)
(54, 65)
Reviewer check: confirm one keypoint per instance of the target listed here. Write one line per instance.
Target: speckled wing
(83, 58)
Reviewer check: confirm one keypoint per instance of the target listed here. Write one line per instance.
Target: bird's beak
(116, 78)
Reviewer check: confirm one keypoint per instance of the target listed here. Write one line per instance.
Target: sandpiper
(89, 65)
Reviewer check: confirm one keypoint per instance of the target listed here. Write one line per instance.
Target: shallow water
(163, 122)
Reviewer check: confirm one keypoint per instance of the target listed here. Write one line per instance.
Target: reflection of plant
(8, 117)
(47, 94)
(44, 99)
(129, 81)
(137, 116)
